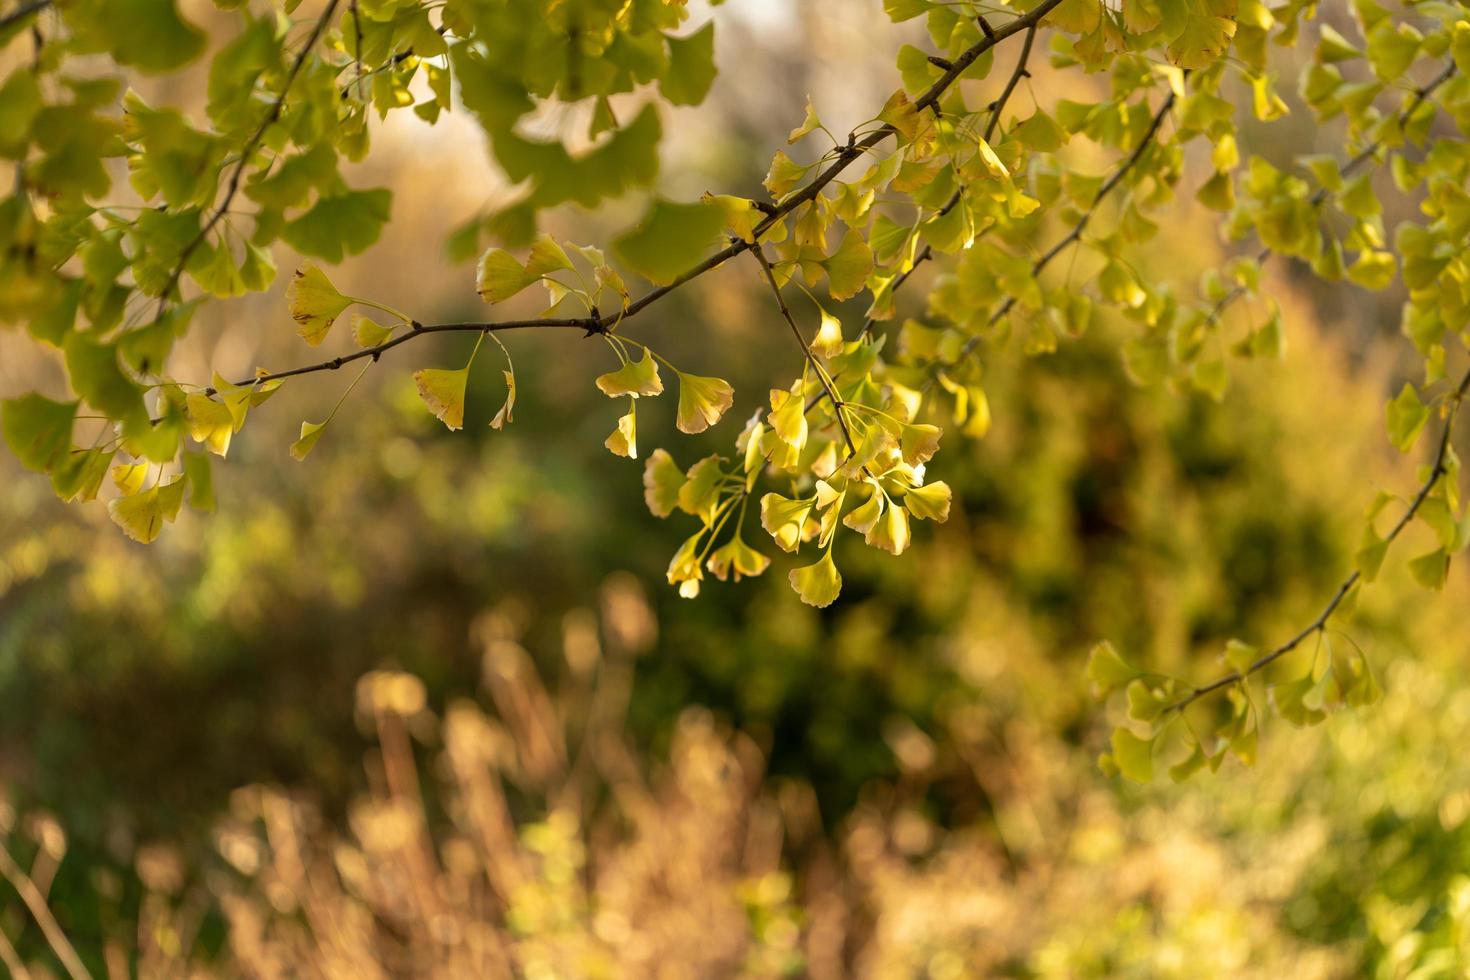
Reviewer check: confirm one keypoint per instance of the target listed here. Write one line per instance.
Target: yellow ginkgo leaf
(919, 442)
(784, 519)
(443, 391)
(369, 332)
(315, 303)
(737, 556)
(310, 433)
(506, 413)
(891, 531)
(129, 477)
(635, 378)
(142, 515)
(929, 502)
(624, 439)
(828, 341)
(702, 401)
(210, 422)
(818, 584)
(662, 480)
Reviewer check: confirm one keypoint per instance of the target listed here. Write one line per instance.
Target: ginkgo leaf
(210, 422)
(784, 175)
(444, 391)
(37, 429)
(702, 401)
(369, 332)
(635, 378)
(501, 276)
(691, 67)
(818, 584)
(129, 477)
(306, 442)
(78, 474)
(738, 557)
(1406, 418)
(809, 125)
(864, 517)
(670, 239)
(700, 494)
(314, 303)
(788, 416)
(929, 502)
(624, 439)
(740, 214)
(1133, 755)
(685, 570)
(662, 480)
(848, 268)
(784, 519)
(142, 515)
(507, 410)
(919, 442)
(828, 341)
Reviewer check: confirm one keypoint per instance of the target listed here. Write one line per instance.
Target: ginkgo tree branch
(838, 406)
(1075, 234)
(1421, 94)
(22, 12)
(1437, 470)
(996, 108)
(845, 156)
(232, 186)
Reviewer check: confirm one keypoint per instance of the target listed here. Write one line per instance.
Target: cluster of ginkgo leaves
(970, 181)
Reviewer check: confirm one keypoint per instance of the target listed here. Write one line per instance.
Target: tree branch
(22, 12)
(845, 157)
(996, 108)
(246, 152)
(832, 396)
(1441, 460)
(1421, 94)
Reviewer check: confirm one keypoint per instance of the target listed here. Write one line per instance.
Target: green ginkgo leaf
(1134, 756)
(691, 69)
(1406, 418)
(818, 584)
(444, 391)
(37, 429)
(314, 303)
(702, 401)
(670, 239)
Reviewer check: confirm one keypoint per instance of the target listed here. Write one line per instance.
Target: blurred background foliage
(901, 785)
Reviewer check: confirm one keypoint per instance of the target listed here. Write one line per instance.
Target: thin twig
(1441, 464)
(838, 405)
(246, 152)
(996, 108)
(1320, 197)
